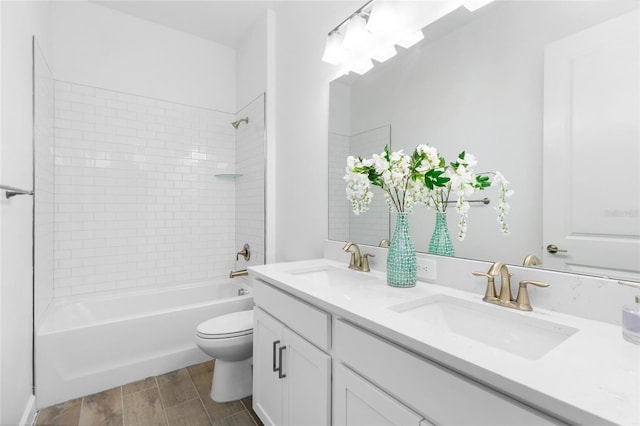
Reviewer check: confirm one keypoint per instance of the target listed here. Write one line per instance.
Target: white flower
(423, 178)
(502, 207)
(358, 185)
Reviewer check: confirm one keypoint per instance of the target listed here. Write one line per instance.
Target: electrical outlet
(425, 269)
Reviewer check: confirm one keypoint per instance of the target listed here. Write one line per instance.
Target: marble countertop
(593, 377)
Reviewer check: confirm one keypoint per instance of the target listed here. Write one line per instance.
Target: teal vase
(401, 258)
(441, 240)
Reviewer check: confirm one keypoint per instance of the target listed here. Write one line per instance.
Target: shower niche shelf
(228, 175)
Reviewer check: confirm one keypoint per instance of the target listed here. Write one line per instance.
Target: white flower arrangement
(395, 172)
(423, 177)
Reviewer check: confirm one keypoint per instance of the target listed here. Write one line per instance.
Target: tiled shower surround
(250, 190)
(137, 199)
(374, 223)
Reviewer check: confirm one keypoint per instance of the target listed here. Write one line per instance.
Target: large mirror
(546, 92)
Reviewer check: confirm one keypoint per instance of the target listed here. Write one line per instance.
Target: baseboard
(29, 414)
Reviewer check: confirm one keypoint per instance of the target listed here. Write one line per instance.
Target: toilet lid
(228, 325)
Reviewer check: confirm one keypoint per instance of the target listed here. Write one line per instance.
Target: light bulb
(357, 37)
(384, 52)
(362, 66)
(334, 52)
(411, 39)
(384, 19)
(473, 5)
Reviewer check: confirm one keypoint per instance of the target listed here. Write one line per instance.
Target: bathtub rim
(118, 293)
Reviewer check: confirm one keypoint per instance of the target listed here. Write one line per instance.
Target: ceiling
(222, 21)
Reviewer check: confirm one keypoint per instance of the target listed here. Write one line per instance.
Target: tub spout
(241, 273)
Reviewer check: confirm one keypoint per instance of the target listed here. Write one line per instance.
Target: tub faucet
(357, 262)
(241, 273)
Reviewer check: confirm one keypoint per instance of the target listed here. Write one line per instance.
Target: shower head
(236, 123)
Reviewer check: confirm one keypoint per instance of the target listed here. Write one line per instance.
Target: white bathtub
(96, 342)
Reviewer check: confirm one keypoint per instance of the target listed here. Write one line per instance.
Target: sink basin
(498, 327)
(333, 275)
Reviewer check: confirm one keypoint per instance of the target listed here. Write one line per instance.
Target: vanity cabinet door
(291, 377)
(307, 385)
(356, 402)
(267, 386)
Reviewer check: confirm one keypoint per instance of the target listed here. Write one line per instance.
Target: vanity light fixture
(473, 5)
(334, 52)
(373, 31)
(411, 39)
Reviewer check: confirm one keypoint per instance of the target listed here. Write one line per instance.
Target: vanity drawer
(443, 396)
(308, 321)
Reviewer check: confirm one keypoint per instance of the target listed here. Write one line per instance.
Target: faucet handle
(354, 261)
(482, 274)
(364, 263)
(522, 299)
(490, 293)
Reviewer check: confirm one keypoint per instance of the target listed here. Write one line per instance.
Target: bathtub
(88, 344)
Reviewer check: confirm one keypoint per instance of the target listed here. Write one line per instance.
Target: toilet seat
(235, 324)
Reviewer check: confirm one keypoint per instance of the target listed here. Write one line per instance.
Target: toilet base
(232, 380)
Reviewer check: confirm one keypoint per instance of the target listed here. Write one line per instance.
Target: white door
(359, 403)
(591, 173)
(307, 384)
(267, 386)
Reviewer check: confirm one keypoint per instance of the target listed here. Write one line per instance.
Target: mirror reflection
(545, 92)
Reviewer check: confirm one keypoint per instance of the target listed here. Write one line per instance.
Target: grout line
(199, 396)
(81, 408)
(122, 404)
(164, 409)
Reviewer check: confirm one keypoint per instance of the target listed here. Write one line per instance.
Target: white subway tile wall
(373, 225)
(339, 207)
(43, 183)
(137, 202)
(250, 166)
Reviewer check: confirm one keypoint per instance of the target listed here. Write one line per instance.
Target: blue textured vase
(401, 258)
(441, 240)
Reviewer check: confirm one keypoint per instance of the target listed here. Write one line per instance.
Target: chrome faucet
(357, 262)
(505, 298)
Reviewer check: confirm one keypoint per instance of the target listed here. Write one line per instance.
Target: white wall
(20, 21)
(251, 83)
(251, 64)
(302, 105)
(98, 46)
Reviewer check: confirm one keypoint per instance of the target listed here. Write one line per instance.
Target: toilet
(229, 340)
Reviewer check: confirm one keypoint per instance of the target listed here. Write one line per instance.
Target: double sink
(518, 333)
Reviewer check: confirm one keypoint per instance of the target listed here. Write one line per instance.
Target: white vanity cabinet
(357, 402)
(374, 380)
(441, 395)
(291, 376)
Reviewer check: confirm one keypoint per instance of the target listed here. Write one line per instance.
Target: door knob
(552, 248)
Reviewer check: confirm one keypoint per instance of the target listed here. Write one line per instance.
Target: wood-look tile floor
(178, 398)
